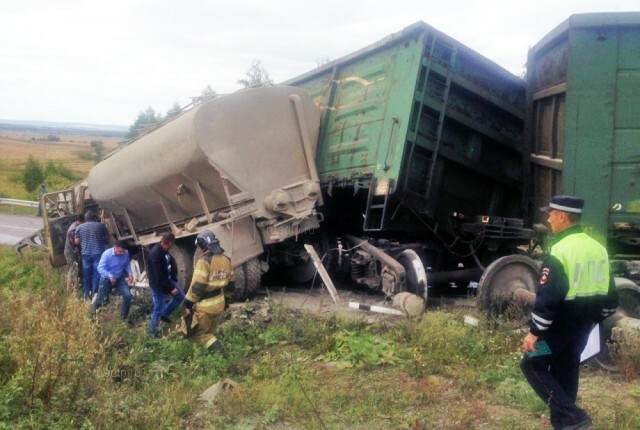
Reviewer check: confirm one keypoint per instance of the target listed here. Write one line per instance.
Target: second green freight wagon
(583, 127)
(421, 141)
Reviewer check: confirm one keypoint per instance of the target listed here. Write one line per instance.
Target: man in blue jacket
(575, 291)
(115, 271)
(163, 281)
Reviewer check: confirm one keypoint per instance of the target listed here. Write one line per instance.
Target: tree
(145, 120)
(50, 169)
(98, 147)
(32, 175)
(174, 111)
(257, 76)
(208, 92)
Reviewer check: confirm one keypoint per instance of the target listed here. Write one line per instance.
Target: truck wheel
(248, 277)
(182, 254)
(252, 277)
(239, 293)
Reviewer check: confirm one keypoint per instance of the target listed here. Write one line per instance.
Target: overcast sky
(102, 62)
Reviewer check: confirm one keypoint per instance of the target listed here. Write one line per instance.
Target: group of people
(104, 268)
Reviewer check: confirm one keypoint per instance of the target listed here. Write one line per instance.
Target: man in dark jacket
(163, 280)
(575, 292)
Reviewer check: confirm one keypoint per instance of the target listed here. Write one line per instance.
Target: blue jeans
(105, 288)
(164, 305)
(90, 275)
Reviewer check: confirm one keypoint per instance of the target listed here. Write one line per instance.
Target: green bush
(32, 175)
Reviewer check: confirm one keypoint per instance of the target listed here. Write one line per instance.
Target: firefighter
(575, 291)
(204, 303)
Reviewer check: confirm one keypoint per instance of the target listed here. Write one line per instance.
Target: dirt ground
(318, 301)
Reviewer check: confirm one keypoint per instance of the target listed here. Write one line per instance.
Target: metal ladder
(376, 209)
(443, 110)
(421, 91)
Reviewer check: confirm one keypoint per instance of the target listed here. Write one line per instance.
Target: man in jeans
(93, 237)
(162, 272)
(113, 266)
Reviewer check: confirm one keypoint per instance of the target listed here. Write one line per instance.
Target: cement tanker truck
(240, 165)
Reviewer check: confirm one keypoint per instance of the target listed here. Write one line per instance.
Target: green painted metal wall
(425, 118)
(366, 111)
(583, 125)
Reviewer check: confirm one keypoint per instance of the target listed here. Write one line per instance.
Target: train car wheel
(502, 278)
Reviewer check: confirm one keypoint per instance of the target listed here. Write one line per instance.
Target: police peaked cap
(570, 204)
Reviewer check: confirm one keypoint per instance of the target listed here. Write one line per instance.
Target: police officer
(205, 298)
(575, 291)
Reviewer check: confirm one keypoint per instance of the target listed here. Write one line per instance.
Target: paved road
(15, 227)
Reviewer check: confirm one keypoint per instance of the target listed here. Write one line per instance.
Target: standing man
(43, 191)
(113, 266)
(72, 254)
(205, 298)
(575, 292)
(163, 280)
(92, 237)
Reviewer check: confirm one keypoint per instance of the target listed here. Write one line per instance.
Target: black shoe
(166, 319)
(216, 347)
(583, 425)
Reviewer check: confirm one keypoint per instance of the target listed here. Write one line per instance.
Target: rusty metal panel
(550, 67)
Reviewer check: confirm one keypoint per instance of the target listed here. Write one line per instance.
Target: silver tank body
(245, 150)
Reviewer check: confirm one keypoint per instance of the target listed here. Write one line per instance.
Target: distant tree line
(148, 119)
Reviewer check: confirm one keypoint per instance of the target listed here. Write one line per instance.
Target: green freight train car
(582, 129)
(421, 154)
(583, 125)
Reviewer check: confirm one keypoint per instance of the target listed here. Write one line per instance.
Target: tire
(182, 254)
(239, 293)
(248, 278)
(253, 277)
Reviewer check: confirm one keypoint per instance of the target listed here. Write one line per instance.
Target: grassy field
(72, 151)
(293, 370)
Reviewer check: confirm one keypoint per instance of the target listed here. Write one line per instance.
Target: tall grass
(58, 369)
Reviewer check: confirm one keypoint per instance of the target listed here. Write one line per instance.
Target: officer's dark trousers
(554, 377)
